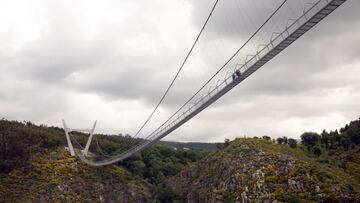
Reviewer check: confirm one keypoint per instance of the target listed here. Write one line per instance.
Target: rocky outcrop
(254, 170)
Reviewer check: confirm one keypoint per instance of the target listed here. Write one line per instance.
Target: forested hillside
(35, 167)
(325, 167)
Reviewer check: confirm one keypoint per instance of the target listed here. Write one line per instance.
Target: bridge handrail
(256, 61)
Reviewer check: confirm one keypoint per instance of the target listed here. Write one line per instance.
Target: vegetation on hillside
(33, 157)
(258, 170)
(321, 168)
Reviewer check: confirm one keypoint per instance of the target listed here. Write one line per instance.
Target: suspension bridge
(238, 67)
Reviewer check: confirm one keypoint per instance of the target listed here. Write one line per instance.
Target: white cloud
(111, 61)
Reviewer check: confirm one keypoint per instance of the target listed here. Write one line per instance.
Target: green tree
(165, 193)
(292, 143)
(137, 167)
(220, 145)
(310, 138)
(317, 151)
(227, 142)
(280, 140)
(325, 139)
(353, 131)
(332, 139)
(345, 140)
(285, 140)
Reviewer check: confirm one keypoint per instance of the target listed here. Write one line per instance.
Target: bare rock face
(295, 183)
(254, 170)
(244, 198)
(188, 173)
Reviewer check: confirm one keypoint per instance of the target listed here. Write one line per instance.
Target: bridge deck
(291, 33)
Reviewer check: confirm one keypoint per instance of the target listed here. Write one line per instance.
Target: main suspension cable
(213, 76)
(179, 70)
(222, 67)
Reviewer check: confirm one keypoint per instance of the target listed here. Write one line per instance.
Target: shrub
(317, 151)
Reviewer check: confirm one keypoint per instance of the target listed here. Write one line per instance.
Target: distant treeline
(191, 145)
(347, 138)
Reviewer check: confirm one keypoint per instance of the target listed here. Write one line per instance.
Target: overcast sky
(111, 61)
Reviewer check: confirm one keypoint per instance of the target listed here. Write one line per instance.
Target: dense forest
(32, 155)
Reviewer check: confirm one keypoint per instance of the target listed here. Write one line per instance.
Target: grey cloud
(306, 82)
(132, 59)
(30, 101)
(306, 64)
(123, 60)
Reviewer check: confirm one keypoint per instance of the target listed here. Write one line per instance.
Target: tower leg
(85, 151)
(71, 148)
